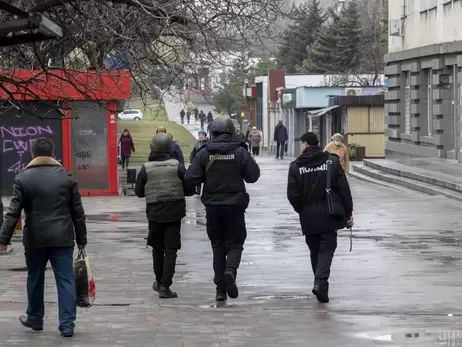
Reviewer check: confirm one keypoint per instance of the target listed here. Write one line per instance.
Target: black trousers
(227, 233)
(280, 149)
(202, 124)
(165, 240)
(322, 248)
(255, 150)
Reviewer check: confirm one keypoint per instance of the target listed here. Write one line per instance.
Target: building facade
(424, 71)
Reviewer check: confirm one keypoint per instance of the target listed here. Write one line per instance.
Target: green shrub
(352, 153)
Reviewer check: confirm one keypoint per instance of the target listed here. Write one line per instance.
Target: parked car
(130, 115)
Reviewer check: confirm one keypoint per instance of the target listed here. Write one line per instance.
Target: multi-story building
(423, 66)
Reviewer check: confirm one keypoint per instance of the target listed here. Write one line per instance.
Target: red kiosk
(85, 137)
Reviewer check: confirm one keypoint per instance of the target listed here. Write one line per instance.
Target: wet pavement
(400, 285)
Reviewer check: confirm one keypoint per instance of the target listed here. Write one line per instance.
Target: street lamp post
(246, 83)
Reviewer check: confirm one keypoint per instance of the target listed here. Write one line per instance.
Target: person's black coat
(177, 153)
(280, 133)
(50, 198)
(209, 117)
(306, 191)
(163, 212)
(202, 116)
(224, 181)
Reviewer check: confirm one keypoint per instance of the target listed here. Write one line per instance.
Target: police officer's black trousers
(165, 240)
(322, 248)
(227, 233)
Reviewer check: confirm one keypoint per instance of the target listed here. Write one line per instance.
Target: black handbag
(335, 209)
(286, 148)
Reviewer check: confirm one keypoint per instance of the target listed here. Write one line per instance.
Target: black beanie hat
(310, 138)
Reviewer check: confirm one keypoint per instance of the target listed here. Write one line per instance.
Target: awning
(322, 111)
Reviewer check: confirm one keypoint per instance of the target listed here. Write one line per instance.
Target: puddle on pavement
(443, 337)
(281, 297)
(139, 217)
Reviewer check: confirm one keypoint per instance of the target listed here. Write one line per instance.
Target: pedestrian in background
(209, 117)
(280, 137)
(126, 148)
(202, 118)
(176, 152)
(319, 192)
(196, 114)
(223, 165)
(339, 148)
(255, 139)
(54, 218)
(199, 143)
(161, 182)
(188, 116)
(182, 114)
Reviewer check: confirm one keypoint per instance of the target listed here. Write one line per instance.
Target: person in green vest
(161, 182)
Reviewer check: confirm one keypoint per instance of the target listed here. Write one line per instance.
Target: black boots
(231, 287)
(166, 293)
(321, 292)
(220, 296)
(156, 287)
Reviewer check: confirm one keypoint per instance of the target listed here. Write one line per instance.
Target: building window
(430, 101)
(407, 100)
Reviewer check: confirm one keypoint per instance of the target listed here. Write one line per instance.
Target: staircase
(430, 176)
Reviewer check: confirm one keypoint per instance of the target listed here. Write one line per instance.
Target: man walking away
(54, 218)
(188, 116)
(182, 113)
(200, 142)
(307, 192)
(196, 114)
(202, 118)
(337, 147)
(254, 139)
(209, 117)
(160, 181)
(281, 137)
(223, 165)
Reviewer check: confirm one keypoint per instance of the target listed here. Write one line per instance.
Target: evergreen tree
(347, 52)
(321, 55)
(301, 34)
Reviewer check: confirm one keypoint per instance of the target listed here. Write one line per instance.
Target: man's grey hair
(43, 147)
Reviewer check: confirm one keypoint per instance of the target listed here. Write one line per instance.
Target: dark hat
(310, 138)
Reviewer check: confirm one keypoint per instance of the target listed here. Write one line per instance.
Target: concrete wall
(424, 80)
(425, 22)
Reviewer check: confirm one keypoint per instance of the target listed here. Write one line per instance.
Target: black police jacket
(223, 164)
(52, 205)
(306, 191)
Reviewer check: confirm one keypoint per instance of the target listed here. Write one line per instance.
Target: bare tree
(159, 41)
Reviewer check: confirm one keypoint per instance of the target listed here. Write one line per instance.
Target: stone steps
(393, 177)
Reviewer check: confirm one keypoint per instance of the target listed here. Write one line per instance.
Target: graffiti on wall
(17, 141)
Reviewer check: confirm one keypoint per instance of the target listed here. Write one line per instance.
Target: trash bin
(360, 153)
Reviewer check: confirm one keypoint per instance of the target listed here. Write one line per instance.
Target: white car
(130, 115)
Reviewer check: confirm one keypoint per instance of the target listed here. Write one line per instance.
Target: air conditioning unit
(353, 91)
(395, 27)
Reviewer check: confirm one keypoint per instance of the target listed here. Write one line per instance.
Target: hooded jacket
(223, 165)
(306, 191)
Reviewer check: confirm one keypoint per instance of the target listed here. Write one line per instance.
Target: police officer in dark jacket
(306, 191)
(161, 182)
(224, 164)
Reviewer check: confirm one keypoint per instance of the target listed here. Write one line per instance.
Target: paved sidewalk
(403, 276)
